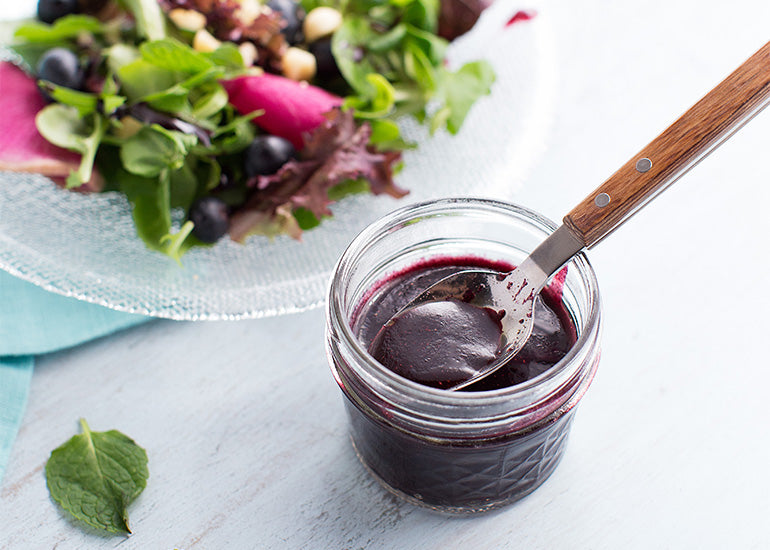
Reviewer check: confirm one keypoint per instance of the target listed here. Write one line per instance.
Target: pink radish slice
(291, 109)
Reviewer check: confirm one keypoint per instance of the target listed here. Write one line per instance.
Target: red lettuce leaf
(337, 151)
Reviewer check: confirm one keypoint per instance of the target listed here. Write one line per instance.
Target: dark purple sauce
(440, 344)
(463, 473)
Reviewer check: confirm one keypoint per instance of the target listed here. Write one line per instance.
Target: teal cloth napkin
(34, 321)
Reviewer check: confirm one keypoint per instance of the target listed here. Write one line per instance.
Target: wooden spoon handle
(681, 146)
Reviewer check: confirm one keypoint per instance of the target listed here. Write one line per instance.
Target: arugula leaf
(95, 475)
(64, 28)
(62, 125)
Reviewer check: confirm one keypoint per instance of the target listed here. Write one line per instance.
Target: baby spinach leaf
(153, 150)
(63, 125)
(149, 198)
(183, 185)
(95, 475)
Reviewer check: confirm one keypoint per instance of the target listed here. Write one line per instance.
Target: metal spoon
(700, 130)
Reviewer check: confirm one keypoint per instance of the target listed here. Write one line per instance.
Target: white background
(670, 449)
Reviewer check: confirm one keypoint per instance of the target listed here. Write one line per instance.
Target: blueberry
(266, 155)
(62, 67)
(293, 14)
(326, 65)
(49, 11)
(209, 214)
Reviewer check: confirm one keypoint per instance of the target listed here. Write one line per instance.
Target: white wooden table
(244, 425)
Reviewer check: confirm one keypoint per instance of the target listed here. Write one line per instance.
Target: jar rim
(373, 371)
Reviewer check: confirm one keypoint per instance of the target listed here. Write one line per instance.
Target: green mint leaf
(150, 22)
(154, 149)
(172, 55)
(140, 79)
(175, 99)
(95, 475)
(63, 125)
(228, 56)
(64, 28)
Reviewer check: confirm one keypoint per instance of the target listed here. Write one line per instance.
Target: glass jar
(457, 452)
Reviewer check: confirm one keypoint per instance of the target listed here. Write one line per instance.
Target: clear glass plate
(85, 246)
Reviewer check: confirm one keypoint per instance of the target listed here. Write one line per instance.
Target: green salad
(241, 117)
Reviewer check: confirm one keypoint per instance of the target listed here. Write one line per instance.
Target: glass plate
(85, 246)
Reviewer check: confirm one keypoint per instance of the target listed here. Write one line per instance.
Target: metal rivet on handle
(643, 165)
(602, 200)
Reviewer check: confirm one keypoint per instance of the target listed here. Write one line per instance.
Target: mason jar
(456, 451)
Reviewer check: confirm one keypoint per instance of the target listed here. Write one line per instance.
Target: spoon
(700, 130)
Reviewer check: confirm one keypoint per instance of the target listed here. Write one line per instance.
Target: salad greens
(154, 120)
(95, 475)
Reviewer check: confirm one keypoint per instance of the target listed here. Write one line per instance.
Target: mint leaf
(95, 475)
(64, 28)
(172, 55)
